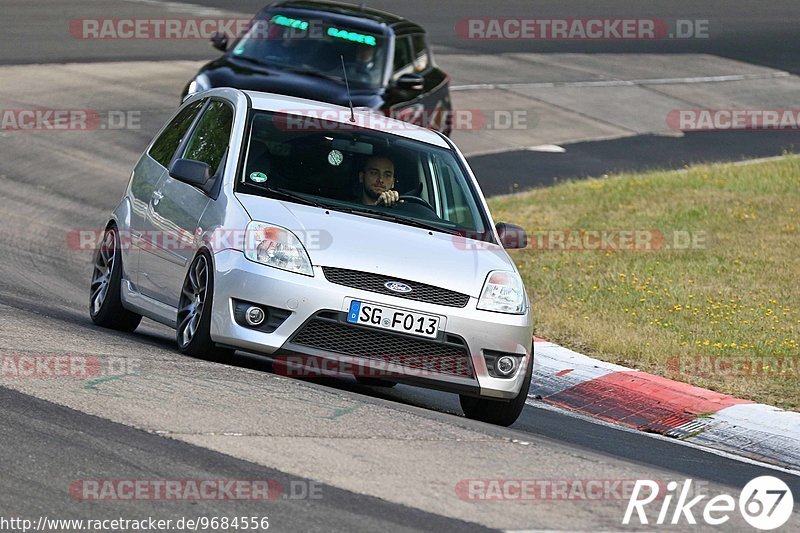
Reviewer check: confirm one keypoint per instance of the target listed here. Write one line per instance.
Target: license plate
(381, 316)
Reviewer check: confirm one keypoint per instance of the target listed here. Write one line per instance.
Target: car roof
(381, 18)
(325, 112)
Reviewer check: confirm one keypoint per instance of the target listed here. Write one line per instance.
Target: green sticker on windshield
(280, 20)
(356, 37)
(258, 177)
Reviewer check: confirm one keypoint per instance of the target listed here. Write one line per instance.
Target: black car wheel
(105, 291)
(499, 412)
(193, 331)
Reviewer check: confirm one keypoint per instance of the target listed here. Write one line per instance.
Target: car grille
(374, 283)
(449, 358)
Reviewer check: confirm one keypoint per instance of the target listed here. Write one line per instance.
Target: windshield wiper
(297, 70)
(395, 218)
(309, 72)
(252, 60)
(284, 194)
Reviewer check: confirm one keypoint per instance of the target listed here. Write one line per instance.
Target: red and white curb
(649, 403)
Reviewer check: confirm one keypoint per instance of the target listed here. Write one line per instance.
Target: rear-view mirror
(411, 82)
(355, 147)
(219, 41)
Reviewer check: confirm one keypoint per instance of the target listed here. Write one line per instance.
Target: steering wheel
(416, 200)
(410, 199)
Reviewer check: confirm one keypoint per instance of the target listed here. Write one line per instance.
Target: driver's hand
(389, 198)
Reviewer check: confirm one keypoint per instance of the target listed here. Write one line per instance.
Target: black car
(306, 49)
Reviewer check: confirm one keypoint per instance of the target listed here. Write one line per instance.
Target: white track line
(622, 83)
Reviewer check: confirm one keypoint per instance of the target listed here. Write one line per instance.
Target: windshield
(315, 46)
(337, 166)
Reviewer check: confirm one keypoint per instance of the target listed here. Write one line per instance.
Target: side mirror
(219, 41)
(192, 172)
(511, 236)
(410, 82)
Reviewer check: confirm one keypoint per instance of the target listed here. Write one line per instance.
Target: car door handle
(157, 196)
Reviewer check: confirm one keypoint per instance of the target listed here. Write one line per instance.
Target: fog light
(505, 365)
(254, 316)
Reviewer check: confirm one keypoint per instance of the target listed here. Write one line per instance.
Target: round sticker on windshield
(335, 158)
(258, 177)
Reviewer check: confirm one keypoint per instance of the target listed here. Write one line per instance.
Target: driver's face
(377, 176)
(365, 54)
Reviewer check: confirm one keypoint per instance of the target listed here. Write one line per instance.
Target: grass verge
(692, 275)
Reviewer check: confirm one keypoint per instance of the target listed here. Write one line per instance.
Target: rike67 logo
(765, 503)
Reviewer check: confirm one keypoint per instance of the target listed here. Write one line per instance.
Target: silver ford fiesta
(325, 238)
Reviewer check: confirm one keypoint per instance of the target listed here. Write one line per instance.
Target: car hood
(365, 244)
(228, 72)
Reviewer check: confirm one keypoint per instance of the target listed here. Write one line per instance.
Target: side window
(421, 58)
(457, 205)
(210, 138)
(165, 146)
(403, 57)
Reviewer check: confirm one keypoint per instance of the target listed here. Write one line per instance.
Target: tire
(105, 290)
(193, 328)
(498, 412)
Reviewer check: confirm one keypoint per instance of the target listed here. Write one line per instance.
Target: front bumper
(237, 278)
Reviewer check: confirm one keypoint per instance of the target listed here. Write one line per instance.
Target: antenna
(347, 84)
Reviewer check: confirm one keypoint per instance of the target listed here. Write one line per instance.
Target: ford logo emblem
(396, 286)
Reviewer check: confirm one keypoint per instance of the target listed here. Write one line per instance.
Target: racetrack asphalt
(517, 170)
(388, 459)
(407, 446)
(60, 447)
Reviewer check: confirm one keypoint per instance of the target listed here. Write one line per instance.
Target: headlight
(502, 292)
(276, 247)
(199, 84)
